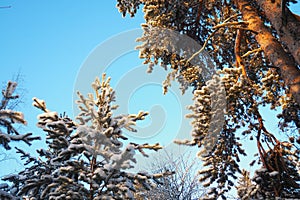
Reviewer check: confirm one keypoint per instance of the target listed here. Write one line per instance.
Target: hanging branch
(239, 62)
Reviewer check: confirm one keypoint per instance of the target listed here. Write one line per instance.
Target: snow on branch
(85, 159)
(10, 117)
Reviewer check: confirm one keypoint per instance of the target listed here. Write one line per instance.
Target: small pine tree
(84, 160)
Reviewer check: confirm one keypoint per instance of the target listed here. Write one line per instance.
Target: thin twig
(230, 24)
(216, 28)
(2, 7)
(202, 48)
(253, 51)
(231, 17)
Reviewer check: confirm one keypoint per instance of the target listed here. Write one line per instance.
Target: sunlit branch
(250, 52)
(202, 48)
(239, 62)
(216, 28)
(229, 24)
(231, 17)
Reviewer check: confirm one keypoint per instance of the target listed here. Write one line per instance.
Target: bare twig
(250, 52)
(202, 48)
(230, 24)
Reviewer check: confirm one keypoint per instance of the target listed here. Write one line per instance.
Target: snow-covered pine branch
(85, 159)
(9, 117)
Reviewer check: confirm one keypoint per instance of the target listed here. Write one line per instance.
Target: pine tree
(84, 160)
(254, 48)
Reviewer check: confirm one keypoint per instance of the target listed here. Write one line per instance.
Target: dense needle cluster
(84, 160)
(252, 78)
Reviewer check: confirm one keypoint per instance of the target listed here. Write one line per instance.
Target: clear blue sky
(48, 41)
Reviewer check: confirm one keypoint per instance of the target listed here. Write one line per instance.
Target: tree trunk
(285, 23)
(272, 48)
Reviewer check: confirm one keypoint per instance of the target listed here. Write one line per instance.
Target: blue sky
(47, 42)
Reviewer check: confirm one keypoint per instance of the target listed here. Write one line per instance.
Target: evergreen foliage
(258, 65)
(84, 160)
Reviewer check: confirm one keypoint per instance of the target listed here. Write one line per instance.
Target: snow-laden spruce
(84, 160)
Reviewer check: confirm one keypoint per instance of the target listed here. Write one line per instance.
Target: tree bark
(285, 23)
(272, 48)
